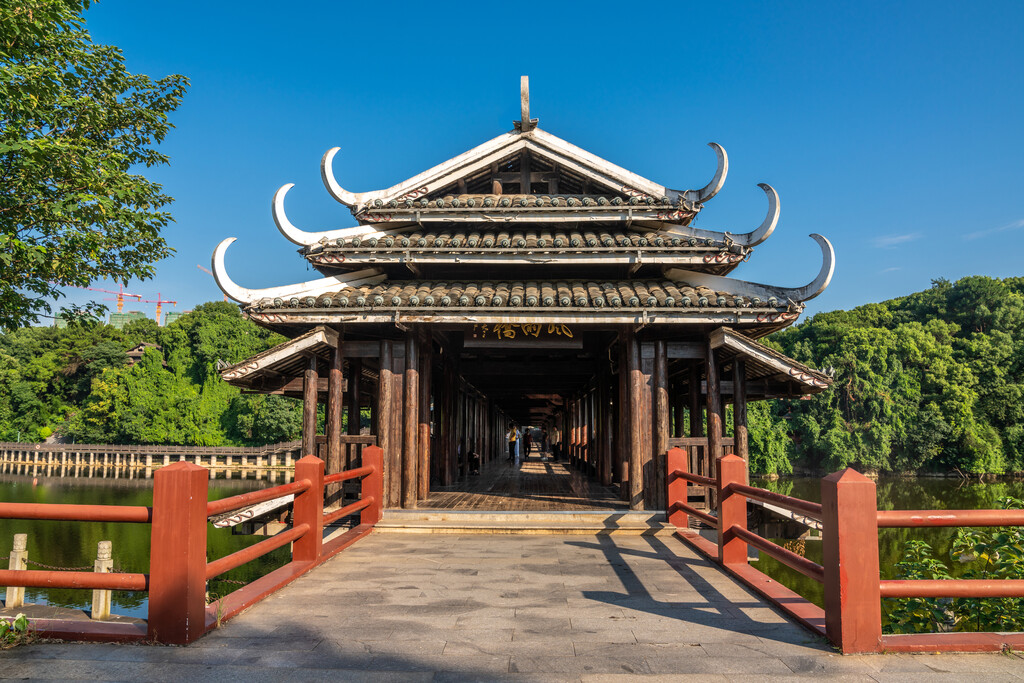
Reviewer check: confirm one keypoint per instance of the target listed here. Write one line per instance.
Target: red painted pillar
(177, 556)
(853, 619)
(732, 510)
(373, 485)
(308, 508)
(677, 488)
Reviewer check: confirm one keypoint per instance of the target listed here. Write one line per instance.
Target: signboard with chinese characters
(514, 331)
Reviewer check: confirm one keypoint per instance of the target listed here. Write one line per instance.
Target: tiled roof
(577, 294)
(521, 201)
(536, 240)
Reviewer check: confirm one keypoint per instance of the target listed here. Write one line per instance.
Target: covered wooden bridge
(526, 282)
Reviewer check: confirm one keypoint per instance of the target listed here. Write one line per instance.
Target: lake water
(893, 494)
(73, 544)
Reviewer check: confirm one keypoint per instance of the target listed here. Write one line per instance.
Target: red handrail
(804, 507)
(240, 557)
(32, 578)
(889, 519)
(952, 588)
(695, 478)
(348, 474)
(801, 564)
(348, 510)
(694, 512)
(216, 507)
(77, 513)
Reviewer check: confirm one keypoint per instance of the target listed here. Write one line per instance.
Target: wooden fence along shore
(141, 461)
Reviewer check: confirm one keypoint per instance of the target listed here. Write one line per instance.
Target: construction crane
(121, 294)
(210, 273)
(159, 301)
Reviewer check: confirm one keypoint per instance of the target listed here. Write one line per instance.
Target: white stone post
(100, 598)
(19, 561)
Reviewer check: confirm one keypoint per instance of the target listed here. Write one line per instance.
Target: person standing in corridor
(513, 436)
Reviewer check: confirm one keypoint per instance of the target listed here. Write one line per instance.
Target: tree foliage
(77, 383)
(74, 125)
(932, 381)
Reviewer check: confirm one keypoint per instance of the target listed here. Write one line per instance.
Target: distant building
(135, 353)
(119, 320)
(171, 316)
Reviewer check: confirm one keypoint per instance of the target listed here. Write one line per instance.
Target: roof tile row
(560, 294)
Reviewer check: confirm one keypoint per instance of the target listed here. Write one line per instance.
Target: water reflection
(73, 544)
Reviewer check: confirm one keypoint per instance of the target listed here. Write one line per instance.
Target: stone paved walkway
(485, 608)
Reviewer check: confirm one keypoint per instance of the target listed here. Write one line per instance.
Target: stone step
(581, 522)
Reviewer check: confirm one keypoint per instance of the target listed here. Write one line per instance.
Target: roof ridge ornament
(796, 295)
(525, 124)
(312, 288)
(711, 189)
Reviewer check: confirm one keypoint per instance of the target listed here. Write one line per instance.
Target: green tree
(74, 123)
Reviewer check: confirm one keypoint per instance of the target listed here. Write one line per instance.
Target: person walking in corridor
(513, 437)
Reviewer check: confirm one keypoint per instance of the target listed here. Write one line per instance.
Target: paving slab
(504, 608)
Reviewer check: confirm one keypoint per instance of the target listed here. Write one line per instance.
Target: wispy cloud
(890, 270)
(1015, 225)
(890, 241)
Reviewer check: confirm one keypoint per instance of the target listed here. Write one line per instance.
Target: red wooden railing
(850, 519)
(178, 570)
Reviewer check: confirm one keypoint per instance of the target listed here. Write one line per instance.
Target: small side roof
(780, 374)
(283, 362)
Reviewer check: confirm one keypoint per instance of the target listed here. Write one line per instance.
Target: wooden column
(423, 447)
(696, 409)
(678, 409)
(622, 431)
(385, 417)
(355, 398)
(662, 424)
(739, 408)
(334, 382)
(309, 401)
(607, 436)
(410, 419)
(636, 423)
(714, 410)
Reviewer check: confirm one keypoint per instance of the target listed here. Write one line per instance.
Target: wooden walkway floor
(535, 483)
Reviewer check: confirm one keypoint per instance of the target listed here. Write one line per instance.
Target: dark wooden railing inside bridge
(178, 568)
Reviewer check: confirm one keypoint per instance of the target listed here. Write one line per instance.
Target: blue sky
(894, 129)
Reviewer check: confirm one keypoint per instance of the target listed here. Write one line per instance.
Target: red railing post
(373, 485)
(308, 508)
(732, 510)
(177, 555)
(853, 619)
(678, 488)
